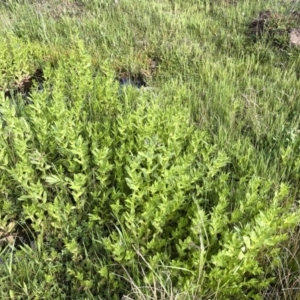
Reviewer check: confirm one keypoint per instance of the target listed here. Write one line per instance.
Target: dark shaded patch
(281, 30)
(127, 78)
(138, 79)
(224, 2)
(257, 26)
(20, 236)
(23, 86)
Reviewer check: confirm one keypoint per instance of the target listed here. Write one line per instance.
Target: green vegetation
(185, 189)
